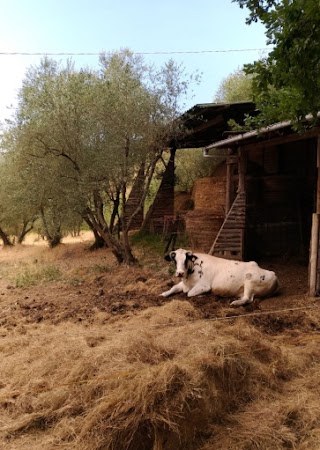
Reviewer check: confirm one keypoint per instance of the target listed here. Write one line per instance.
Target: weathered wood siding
(163, 204)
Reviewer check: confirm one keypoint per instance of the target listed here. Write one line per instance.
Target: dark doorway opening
(281, 192)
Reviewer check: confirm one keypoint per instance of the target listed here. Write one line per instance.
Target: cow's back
(227, 277)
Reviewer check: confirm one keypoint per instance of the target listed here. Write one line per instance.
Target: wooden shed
(273, 196)
(203, 124)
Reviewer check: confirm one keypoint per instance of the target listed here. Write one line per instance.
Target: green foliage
(155, 244)
(286, 83)
(80, 139)
(148, 241)
(190, 165)
(17, 213)
(236, 87)
(259, 9)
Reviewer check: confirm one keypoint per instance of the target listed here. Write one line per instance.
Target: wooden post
(314, 243)
(231, 161)
(314, 255)
(318, 178)
(242, 170)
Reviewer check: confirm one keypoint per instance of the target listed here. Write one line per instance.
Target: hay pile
(182, 201)
(204, 222)
(202, 227)
(161, 380)
(210, 193)
(288, 419)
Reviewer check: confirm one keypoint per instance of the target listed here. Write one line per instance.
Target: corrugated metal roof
(248, 135)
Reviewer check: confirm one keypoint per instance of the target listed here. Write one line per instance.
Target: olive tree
(236, 87)
(17, 212)
(35, 143)
(84, 136)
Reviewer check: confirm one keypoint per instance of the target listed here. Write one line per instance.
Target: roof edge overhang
(234, 140)
(245, 137)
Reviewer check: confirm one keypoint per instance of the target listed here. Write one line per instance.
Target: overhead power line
(136, 53)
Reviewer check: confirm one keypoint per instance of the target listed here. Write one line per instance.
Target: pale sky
(209, 28)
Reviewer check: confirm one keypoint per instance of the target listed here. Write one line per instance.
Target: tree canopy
(236, 87)
(286, 84)
(80, 139)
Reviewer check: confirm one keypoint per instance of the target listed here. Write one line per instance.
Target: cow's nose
(179, 274)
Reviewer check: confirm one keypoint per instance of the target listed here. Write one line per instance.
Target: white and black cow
(202, 273)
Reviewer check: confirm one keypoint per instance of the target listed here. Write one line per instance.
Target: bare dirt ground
(93, 289)
(46, 294)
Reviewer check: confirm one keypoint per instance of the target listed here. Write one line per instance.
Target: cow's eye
(173, 255)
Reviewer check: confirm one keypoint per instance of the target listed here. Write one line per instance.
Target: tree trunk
(129, 259)
(5, 239)
(118, 249)
(98, 240)
(134, 204)
(53, 239)
(115, 211)
(25, 230)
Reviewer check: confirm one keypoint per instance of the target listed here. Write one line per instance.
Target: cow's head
(184, 261)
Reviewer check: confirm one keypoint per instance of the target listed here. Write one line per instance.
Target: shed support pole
(313, 255)
(314, 244)
(231, 161)
(242, 171)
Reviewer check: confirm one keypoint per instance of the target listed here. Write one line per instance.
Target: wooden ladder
(229, 242)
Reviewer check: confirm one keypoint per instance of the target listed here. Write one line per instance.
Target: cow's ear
(191, 256)
(170, 257)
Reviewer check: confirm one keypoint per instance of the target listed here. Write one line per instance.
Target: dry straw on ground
(155, 381)
(155, 378)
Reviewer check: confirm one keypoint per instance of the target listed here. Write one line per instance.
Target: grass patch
(75, 281)
(156, 243)
(100, 268)
(31, 276)
(5, 269)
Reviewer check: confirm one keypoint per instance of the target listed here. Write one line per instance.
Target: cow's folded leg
(174, 290)
(248, 291)
(198, 289)
(242, 301)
